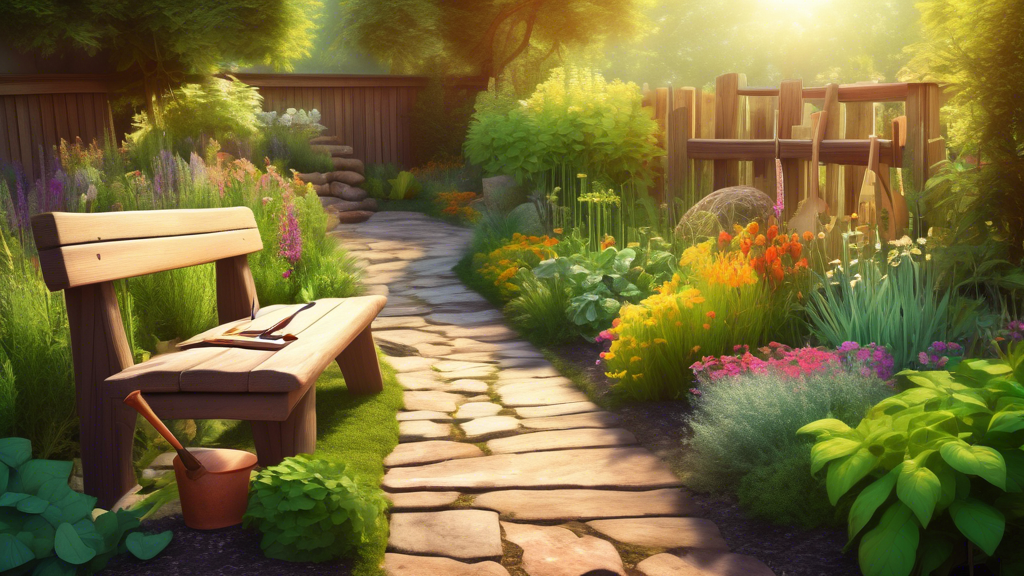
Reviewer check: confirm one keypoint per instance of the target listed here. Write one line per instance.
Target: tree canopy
(483, 37)
(166, 40)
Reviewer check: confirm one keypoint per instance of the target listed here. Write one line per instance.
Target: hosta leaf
(868, 501)
(978, 522)
(934, 551)
(15, 451)
(976, 460)
(827, 425)
(54, 567)
(947, 479)
(13, 552)
(825, 451)
(842, 475)
(69, 546)
(32, 505)
(145, 547)
(1014, 470)
(920, 489)
(1006, 421)
(890, 549)
(36, 472)
(5, 474)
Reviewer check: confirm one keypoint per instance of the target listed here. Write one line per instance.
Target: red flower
(758, 264)
(795, 249)
(724, 239)
(771, 255)
(777, 273)
(745, 246)
(711, 314)
(773, 231)
(808, 236)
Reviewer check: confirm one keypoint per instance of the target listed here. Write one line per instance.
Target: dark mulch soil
(661, 428)
(228, 552)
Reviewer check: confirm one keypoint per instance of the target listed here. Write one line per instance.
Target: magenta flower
(290, 244)
(286, 274)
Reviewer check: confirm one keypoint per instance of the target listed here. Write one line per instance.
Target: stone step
(405, 565)
(581, 505)
(562, 440)
(554, 551)
(430, 451)
(703, 563)
(458, 534)
(664, 532)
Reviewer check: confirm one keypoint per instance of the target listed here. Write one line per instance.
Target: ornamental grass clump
(312, 510)
(935, 473)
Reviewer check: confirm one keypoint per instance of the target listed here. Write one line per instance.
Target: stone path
(504, 468)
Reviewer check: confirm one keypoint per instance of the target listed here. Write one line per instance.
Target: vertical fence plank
(762, 120)
(707, 130)
(791, 104)
(860, 122)
(25, 136)
(678, 160)
(40, 152)
(86, 116)
(48, 118)
(5, 133)
(727, 124)
(834, 195)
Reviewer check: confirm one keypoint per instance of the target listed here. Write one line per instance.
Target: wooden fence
(733, 135)
(37, 111)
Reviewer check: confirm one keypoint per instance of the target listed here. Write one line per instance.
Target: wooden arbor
(733, 136)
(82, 254)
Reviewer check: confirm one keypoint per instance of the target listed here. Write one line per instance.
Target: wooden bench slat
(55, 229)
(226, 406)
(163, 373)
(83, 264)
(295, 365)
(229, 372)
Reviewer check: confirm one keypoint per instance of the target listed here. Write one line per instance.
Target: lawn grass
(359, 431)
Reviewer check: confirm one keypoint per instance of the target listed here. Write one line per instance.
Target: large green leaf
(890, 549)
(920, 489)
(145, 547)
(32, 505)
(54, 567)
(13, 552)
(868, 501)
(1008, 421)
(36, 472)
(976, 460)
(1014, 470)
(15, 451)
(69, 546)
(978, 522)
(824, 451)
(934, 551)
(5, 474)
(843, 474)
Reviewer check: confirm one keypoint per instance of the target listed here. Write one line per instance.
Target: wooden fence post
(678, 160)
(833, 131)
(791, 109)
(762, 127)
(727, 125)
(860, 124)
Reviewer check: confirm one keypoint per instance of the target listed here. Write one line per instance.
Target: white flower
(878, 245)
(927, 257)
(821, 235)
(988, 223)
(291, 111)
(854, 263)
(922, 241)
(91, 193)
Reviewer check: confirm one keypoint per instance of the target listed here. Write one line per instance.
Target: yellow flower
(635, 359)
(660, 341)
(581, 175)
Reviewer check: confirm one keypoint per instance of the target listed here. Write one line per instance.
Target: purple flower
(923, 358)
(290, 244)
(848, 346)
(938, 347)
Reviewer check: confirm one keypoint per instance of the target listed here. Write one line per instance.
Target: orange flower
(796, 237)
(707, 326)
(795, 249)
(551, 242)
(808, 236)
(608, 242)
(752, 228)
(773, 231)
(724, 239)
(557, 230)
(711, 314)
(745, 246)
(777, 272)
(771, 255)
(760, 240)
(758, 264)
(801, 264)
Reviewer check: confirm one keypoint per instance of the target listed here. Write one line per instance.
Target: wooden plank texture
(83, 264)
(55, 229)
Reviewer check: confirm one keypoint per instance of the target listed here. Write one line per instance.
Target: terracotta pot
(218, 498)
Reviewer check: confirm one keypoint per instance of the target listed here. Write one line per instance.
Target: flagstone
(546, 371)
(430, 451)
(456, 365)
(472, 410)
(459, 534)
(468, 386)
(584, 420)
(523, 362)
(423, 415)
(703, 563)
(432, 400)
(540, 395)
(393, 322)
(486, 333)
(525, 383)
(465, 318)
(404, 311)
(488, 426)
(482, 371)
(410, 363)
(489, 356)
(413, 430)
(405, 565)
(567, 505)
(421, 500)
(562, 440)
(554, 551)
(625, 468)
(667, 532)
(455, 298)
(556, 409)
(387, 267)
(408, 337)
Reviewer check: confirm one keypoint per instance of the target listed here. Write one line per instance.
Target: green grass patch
(359, 431)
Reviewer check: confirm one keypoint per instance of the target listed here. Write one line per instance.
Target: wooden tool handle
(135, 400)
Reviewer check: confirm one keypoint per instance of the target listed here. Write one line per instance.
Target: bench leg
(360, 366)
(275, 441)
(106, 435)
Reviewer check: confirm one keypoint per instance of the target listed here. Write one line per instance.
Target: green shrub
(782, 492)
(312, 510)
(935, 468)
(574, 122)
(748, 421)
(404, 186)
(893, 304)
(47, 528)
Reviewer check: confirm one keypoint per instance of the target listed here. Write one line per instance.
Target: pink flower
(290, 244)
(923, 358)
(286, 274)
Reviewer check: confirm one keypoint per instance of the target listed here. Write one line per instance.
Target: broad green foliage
(217, 108)
(936, 464)
(576, 120)
(312, 510)
(47, 528)
(404, 186)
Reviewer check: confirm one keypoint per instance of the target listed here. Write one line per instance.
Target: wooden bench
(82, 254)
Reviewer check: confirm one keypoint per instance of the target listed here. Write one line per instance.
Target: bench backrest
(82, 249)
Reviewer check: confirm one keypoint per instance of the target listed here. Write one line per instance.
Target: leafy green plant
(404, 186)
(312, 510)
(47, 528)
(893, 304)
(935, 467)
(539, 308)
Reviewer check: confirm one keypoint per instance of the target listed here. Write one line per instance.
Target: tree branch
(524, 44)
(486, 44)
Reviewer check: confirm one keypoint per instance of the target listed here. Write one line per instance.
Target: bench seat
(324, 331)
